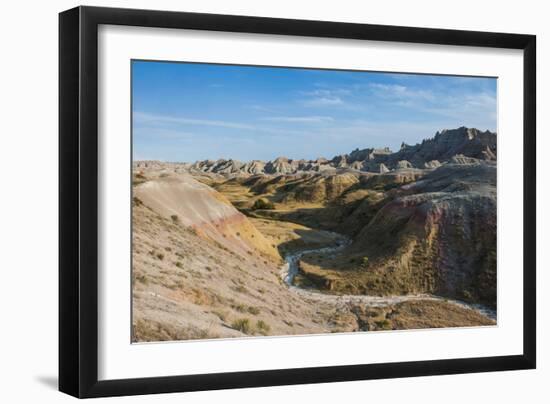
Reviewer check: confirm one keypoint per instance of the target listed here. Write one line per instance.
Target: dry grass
(201, 286)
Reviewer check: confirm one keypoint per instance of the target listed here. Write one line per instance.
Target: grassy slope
(186, 286)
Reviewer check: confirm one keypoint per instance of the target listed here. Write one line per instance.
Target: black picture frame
(78, 201)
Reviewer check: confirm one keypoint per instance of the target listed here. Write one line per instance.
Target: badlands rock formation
(206, 211)
(427, 154)
(209, 238)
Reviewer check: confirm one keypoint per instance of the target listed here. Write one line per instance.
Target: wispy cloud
(144, 118)
(323, 102)
(155, 124)
(323, 97)
(257, 107)
(474, 107)
(327, 92)
(401, 92)
(299, 119)
(159, 133)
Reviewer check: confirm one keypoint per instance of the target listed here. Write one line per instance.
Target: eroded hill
(210, 239)
(202, 270)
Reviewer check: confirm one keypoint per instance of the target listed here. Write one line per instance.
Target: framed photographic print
(251, 201)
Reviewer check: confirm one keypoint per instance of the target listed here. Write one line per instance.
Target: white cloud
(144, 118)
(324, 97)
(299, 119)
(327, 92)
(400, 92)
(258, 107)
(157, 123)
(323, 102)
(152, 132)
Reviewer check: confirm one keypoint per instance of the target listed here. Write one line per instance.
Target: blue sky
(188, 112)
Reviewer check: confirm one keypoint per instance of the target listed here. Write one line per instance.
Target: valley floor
(387, 312)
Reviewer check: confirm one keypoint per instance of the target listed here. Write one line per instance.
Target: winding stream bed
(290, 269)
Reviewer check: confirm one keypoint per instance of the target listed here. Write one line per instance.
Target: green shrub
(242, 325)
(254, 310)
(263, 203)
(263, 327)
(383, 324)
(138, 179)
(365, 261)
(221, 315)
(142, 279)
(241, 289)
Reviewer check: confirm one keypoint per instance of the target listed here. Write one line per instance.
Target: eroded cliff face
(429, 153)
(320, 188)
(436, 242)
(207, 212)
(434, 235)
(201, 269)
(447, 143)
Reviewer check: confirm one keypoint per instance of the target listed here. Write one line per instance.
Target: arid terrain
(367, 241)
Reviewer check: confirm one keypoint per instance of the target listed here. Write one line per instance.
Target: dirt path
(290, 269)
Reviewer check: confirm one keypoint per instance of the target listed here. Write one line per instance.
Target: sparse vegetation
(241, 289)
(253, 310)
(142, 279)
(221, 314)
(242, 325)
(383, 324)
(239, 307)
(262, 327)
(263, 204)
(138, 178)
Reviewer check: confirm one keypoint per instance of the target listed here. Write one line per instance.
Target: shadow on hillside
(309, 239)
(323, 218)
